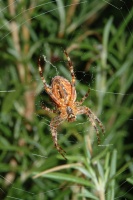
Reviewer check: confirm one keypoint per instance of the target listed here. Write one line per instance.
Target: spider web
(85, 78)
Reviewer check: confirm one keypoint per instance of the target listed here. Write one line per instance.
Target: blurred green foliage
(98, 37)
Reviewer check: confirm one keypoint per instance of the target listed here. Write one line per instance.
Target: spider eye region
(71, 116)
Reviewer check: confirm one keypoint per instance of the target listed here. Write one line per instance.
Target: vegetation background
(98, 36)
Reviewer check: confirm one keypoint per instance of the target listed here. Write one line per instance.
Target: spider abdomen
(61, 88)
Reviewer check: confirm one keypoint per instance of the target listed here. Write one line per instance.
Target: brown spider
(63, 95)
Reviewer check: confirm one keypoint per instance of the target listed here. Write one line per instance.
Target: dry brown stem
(22, 47)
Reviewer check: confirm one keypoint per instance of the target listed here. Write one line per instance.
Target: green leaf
(69, 178)
(130, 180)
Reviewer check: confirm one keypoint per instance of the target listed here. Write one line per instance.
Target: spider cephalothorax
(63, 94)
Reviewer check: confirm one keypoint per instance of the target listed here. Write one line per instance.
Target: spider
(63, 95)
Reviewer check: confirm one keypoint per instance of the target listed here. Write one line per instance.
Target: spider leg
(72, 75)
(70, 68)
(92, 119)
(94, 125)
(47, 88)
(84, 97)
(98, 121)
(47, 109)
(53, 126)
